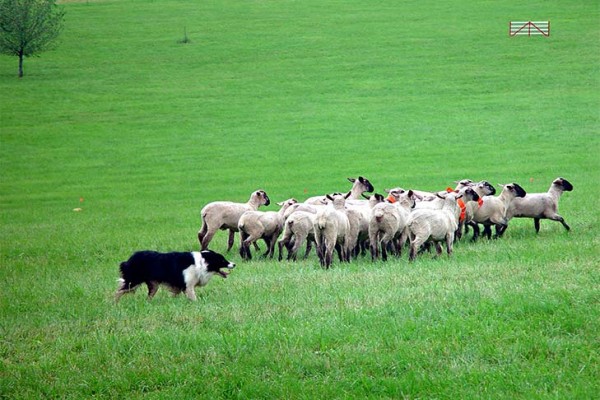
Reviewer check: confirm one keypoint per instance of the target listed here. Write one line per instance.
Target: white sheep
(330, 228)
(493, 211)
(266, 225)
(298, 228)
(540, 205)
(435, 226)
(226, 215)
(388, 223)
(360, 185)
(359, 215)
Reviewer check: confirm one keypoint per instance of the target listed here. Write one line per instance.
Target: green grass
(293, 97)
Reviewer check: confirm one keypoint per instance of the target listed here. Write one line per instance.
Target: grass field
(140, 131)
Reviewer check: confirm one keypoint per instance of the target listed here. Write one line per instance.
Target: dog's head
(216, 263)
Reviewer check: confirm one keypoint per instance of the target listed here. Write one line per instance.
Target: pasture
(139, 131)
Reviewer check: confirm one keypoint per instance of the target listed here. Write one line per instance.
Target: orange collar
(391, 199)
(463, 209)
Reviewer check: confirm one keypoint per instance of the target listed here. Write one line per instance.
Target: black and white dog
(179, 271)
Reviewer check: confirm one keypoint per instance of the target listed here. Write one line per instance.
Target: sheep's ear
(281, 203)
(410, 193)
(329, 197)
(361, 179)
(418, 196)
(459, 196)
(351, 180)
(347, 195)
(439, 195)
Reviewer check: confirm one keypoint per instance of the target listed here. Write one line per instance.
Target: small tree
(28, 27)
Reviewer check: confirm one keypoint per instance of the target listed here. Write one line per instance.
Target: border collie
(179, 271)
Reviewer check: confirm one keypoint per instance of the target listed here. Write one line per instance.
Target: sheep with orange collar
(426, 225)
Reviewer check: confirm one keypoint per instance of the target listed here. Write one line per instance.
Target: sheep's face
(263, 198)
(338, 200)
(377, 198)
(408, 198)
(394, 195)
(563, 184)
(364, 183)
(515, 190)
(469, 193)
(486, 188)
(463, 184)
(287, 204)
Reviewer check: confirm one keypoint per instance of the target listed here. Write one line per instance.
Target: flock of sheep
(349, 224)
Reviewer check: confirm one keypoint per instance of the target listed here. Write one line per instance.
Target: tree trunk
(20, 65)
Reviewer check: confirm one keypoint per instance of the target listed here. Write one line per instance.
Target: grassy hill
(140, 130)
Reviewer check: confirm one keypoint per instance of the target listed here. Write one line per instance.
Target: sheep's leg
(415, 245)
(404, 240)
(230, 239)
(328, 257)
(297, 243)
(449, 243)
(271, 248)
(152, 289)
(458, 233)
(374, 249)
(476, 231)
(500, 228)
(202, 234)
(536, 225)
(245, 241)
(560, 219)
(487, 231)
(207, 238)
(414, 248)
(338, 249)
(280, 248)
(438, 249)
(267, 240)
(308, 248)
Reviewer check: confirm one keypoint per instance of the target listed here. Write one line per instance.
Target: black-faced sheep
(493, 210)
(541, 205)
(226, 215)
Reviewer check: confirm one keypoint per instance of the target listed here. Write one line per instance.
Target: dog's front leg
(190, 293)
